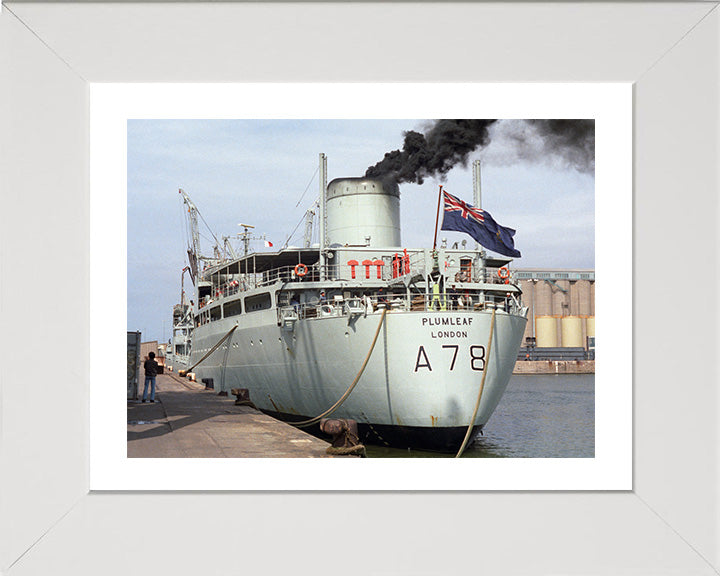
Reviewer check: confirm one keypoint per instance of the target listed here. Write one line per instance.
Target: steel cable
(337, 404)
(212, 349)
(482, 386)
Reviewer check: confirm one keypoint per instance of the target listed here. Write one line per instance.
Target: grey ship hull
(418, 390)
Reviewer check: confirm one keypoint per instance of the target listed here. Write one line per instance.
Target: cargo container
(133, 364)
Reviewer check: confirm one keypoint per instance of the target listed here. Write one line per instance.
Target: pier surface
(187, 421)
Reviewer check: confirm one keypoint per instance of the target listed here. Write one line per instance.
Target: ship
(417, 345)
(177, 353)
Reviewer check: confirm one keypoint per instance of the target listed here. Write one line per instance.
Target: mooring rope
(337, 404)
(482, 386)
(211, 349)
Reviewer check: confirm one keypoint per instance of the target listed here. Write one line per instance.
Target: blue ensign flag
(464, 217)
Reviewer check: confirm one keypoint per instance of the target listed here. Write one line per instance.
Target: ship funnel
(358, 208)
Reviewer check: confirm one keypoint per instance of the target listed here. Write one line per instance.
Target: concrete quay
(187, 421)
(554, 367)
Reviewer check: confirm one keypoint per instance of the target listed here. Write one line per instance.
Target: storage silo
(573, 298)
(572, 332)
(362, 208)
(546, 332)
(529, 297)
(561, 298)
(591, 326)
(543, 299)
(584, 307)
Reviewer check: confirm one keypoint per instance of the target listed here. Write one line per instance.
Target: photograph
(312, 288)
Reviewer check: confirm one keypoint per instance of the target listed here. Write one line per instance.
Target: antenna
(245, 236)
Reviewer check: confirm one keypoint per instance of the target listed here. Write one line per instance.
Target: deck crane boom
(228, 250)
(309, 216)
(182, 285)
(194, 248)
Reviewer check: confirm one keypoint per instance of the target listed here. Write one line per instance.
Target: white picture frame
(668, 523)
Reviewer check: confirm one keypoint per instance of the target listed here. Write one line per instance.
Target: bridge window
(232, 308)
(258, 302)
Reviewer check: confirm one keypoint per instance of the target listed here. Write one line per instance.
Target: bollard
(345, 440)
(242, 397)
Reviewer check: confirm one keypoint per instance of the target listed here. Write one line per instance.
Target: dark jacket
(151, 368)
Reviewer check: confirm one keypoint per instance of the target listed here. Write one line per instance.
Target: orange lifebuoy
(504, 274)
(300, 270)
(462, 276)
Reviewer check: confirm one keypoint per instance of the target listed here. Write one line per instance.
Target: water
(540, 416)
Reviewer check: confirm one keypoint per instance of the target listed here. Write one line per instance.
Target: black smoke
(450, 142)
(570, 141)
(434, 153)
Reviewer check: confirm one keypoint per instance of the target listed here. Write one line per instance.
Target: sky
(263, 173)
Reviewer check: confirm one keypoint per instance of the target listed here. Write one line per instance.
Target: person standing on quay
(151, 370)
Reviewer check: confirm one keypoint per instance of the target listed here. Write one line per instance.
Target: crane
(309, 216)
(182, 285)
(228, 250)
(194, 247)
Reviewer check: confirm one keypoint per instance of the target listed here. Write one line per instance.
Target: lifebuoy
(300, 270)
(504, 274)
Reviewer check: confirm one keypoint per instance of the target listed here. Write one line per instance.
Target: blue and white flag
(464, 217)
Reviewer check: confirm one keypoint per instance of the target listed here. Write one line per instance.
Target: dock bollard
(242, 397)
(346, 441)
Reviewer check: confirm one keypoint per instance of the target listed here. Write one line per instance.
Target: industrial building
(158, 349)
(561, 308)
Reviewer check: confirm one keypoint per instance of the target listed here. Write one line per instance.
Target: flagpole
(437, 218)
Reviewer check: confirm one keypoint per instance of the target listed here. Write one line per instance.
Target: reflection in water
(540, 416)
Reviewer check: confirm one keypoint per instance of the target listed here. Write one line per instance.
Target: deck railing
(377, 302)
(332, 272)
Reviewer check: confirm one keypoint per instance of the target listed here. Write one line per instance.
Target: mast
(245, 236)
(321, 224)
(477, 190)
(477, 186)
